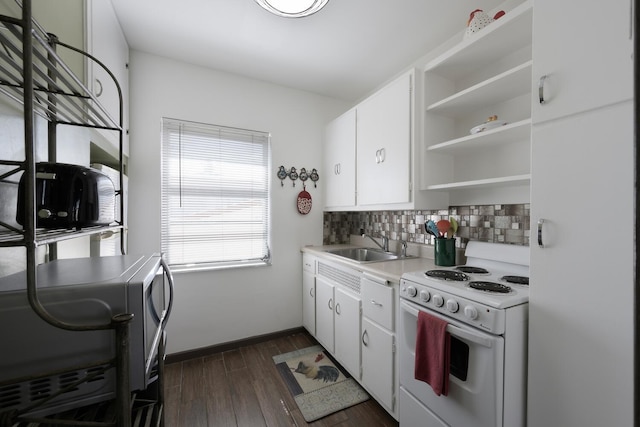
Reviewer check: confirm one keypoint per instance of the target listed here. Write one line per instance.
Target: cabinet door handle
(330, 304)
(541, 89)
(377, 156)
(338, 309)
(311, 293)
(99, 88)
(374, 302)
(383, 155)
(365, 338)
(540, 226)
(339, 168)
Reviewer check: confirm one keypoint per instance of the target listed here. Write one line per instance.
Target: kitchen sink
(363, 255)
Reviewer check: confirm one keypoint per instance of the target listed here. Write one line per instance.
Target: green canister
(445, 252)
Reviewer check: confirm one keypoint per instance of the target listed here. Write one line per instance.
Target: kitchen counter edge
(389, 270)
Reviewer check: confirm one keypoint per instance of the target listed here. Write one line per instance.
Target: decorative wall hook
(282, 174)
(293, 175)
(314, 177)
(303, 175)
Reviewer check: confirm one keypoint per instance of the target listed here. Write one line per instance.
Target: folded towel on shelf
(433, 352)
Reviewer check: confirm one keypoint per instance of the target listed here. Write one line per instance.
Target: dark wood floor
(242, 388)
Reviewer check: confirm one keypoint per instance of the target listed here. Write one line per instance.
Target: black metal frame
(62, 99)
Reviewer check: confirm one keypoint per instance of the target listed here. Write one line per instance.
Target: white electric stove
(485, 304)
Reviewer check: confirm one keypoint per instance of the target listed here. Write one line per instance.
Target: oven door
(475, 382)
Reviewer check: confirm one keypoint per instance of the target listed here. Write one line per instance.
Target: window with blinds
(215, 195)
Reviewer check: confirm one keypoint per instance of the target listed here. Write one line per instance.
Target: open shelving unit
(33, 75)
(485, 74)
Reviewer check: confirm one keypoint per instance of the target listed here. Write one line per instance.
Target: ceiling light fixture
(293, 8)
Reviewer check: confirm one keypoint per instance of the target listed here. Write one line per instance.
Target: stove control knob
(438, 300)
(471, 312)
(411, 291)
(425, 296)
(452, 305)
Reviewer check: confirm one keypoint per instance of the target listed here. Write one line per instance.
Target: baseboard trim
(218, 348)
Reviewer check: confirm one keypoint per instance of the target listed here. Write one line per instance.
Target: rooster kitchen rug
(319, 385)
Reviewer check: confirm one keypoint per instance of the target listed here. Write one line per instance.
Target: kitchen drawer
(378, 301)
(309, 263)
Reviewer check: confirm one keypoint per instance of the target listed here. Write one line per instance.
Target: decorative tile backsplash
(486, 223)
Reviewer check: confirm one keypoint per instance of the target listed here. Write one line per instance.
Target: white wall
(72, 147)
(215, 307)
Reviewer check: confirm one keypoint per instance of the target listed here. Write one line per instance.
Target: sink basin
(362, 255)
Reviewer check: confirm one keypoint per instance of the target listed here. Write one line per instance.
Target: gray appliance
(38, 359)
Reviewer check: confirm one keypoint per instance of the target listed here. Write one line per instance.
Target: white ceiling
(344, 51)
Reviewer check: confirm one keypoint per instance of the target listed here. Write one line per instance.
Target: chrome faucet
(403, 248)
(385, 242)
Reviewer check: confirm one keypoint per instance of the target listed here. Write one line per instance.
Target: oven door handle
(452, 329)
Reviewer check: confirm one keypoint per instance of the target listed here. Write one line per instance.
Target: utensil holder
(445, 252)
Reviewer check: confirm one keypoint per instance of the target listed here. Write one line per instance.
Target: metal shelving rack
(34, 75)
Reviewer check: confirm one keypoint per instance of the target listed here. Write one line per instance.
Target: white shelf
(479, 183)
(507, 34)
(485, 74)
(480, 141)
(504, 86)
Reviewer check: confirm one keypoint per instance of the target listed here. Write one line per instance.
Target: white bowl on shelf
(491, 123)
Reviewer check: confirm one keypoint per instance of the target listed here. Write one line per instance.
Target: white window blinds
(215, 195)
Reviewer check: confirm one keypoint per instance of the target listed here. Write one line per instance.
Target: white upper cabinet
(64, 19)
(106, 42)
(370, 153)
(572, 72)
(384, 145)
(487, 74)
(340, 161)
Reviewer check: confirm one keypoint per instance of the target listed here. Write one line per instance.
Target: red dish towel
(433, 349)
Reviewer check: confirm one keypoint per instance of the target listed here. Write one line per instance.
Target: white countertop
(388, 270)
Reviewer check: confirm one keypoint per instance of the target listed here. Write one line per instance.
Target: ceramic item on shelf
(491, 123)
(478, 19)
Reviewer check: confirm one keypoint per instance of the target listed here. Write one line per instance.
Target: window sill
(217, 266)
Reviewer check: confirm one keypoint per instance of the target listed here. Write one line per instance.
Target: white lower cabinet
(347, 331)
(378, 340)
(378, 362)
(338, 323)
(309, 293)
(354, 315)
(324, 313)
(561, 326)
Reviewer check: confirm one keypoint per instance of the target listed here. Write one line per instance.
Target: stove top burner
(518, 280)
(490, 287)
(455, 276)
(472, 270)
